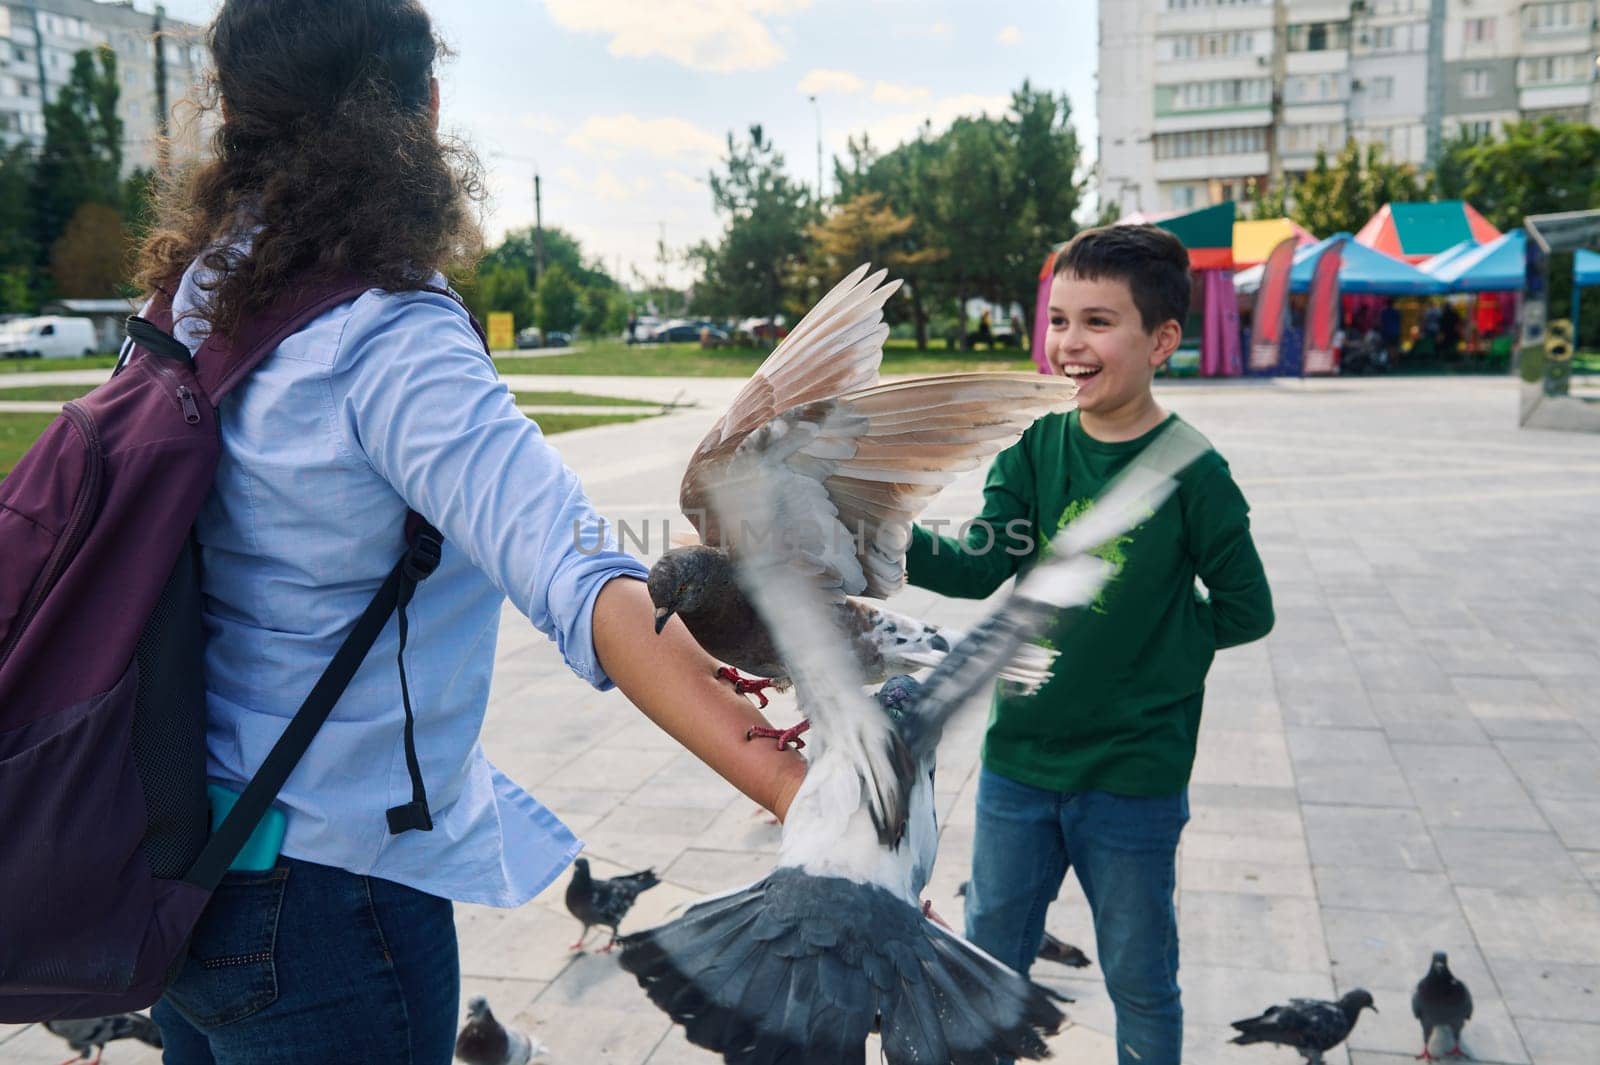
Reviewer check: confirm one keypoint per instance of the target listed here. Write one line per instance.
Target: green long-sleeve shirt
(1122, 712)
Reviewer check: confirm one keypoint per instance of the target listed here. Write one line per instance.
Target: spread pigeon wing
(873, 453)
(827, 679)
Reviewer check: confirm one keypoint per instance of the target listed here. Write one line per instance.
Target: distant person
(1389, 327)
(985, 331)
(1449, 330)
(633, 326)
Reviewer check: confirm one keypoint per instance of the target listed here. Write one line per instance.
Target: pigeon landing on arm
(1441, 1001)
(483, 1040)
(801, 965)
(93, 1033)
(603, 902)
(1310, 1026)
(858, 460)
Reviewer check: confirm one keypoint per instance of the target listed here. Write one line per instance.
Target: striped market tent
(1413, 232)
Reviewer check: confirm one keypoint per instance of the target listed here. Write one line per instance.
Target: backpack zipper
(82, 510)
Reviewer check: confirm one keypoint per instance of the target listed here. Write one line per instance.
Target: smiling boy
(1091, 772)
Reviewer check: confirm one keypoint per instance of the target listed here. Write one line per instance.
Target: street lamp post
(817, 109)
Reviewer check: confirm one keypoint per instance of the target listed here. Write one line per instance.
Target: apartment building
(1198, 99)
(38, 39)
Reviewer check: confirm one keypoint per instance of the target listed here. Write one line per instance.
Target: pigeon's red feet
(579, 944)
(784, 736)
(1457, 1052)
(1425, 1055)
(746, 685)
(607, 948)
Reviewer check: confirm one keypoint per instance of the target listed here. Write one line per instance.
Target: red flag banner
(1272, 307)
(1322, 311)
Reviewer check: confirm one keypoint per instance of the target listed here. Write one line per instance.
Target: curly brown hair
(326, 158)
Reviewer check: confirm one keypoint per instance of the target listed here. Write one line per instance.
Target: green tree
(602, 311)
(499, 288)
(89, 260)
(1533, 167)
(18, 253)
(750, 270)
(1342, 197)
(520, 249)
(556, 303)
(1266, 201)
(81, 159)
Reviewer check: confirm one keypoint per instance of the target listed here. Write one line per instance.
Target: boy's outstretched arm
(993, 545)
(1217, 520)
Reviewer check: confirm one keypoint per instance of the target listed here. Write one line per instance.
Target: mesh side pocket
(169, 723)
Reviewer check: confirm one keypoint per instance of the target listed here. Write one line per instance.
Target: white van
(51, 337)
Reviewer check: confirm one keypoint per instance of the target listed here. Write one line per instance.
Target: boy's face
(1098, 340)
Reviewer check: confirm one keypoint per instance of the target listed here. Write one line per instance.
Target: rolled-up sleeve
(418, 398)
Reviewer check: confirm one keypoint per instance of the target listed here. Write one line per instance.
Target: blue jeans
(1123, 849)
(305, 963)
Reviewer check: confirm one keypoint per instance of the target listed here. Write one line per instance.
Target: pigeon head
(686, 579)
(1441, 962)
(1351, 1003)
(897, 693)
(478, 1007)
(580, 869)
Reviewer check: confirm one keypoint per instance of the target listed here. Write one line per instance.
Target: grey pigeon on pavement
(604, 902)
(1309, 1025)
(93, 1033)
(803, 964)
(1050, 948)
(483, 1040)
(853, 462)
(1441, 1001)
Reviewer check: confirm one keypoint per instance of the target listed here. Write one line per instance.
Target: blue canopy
(1498, 266)
(1586, 268)
(1362, 272)
(1432, 266)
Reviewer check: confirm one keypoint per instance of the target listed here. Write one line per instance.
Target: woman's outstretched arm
(672, 679)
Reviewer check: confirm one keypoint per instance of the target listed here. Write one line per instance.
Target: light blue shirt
(385, 403)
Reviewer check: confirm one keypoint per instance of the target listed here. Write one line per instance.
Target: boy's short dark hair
(1153, 263)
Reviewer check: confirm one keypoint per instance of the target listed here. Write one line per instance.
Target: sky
(624, 106)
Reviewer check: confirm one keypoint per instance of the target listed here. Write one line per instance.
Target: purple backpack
(107, 858)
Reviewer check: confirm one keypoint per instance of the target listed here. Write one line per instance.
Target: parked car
(530, 337)
(558, 338)
(680, 332)
(50, 337)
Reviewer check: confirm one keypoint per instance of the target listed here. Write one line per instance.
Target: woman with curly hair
(328, 164)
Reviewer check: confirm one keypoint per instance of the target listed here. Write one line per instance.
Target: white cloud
(713, 35)
(668, 138)
(933, 29)
(607, 186)
(683, 182)
(891, 130)
(886, 92)
(819, 81)
(1009, 35)
(537, 123)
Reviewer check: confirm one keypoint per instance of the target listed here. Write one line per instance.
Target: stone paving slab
(1408, 763)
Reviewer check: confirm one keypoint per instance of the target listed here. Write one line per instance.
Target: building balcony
(1204, 167)
(1328, 62)
(1221, 118)
(1544, 97)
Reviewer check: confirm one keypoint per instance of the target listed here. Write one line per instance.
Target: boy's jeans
(1123, 849)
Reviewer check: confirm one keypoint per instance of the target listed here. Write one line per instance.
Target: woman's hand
(672, 679)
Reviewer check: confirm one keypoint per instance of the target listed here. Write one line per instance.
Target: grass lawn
(43, 392)
(614, 358)
(93, 362)
(19, 431)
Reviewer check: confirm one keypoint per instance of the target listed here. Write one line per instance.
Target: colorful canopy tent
(1363, 272)
(1208, 235)
(1254, 241)
(1586, 267)
(1433, 264)
(1498, 266)
(1417, 231)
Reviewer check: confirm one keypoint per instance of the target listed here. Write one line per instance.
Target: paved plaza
(1409, 763)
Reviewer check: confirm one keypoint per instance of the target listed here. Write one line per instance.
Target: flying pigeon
(853, 462)
(1309, 1025)
(483, 1040)
(603, 902)
(1441, 1001)
(802, 964)
(1050, 948)
(93, 1033)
